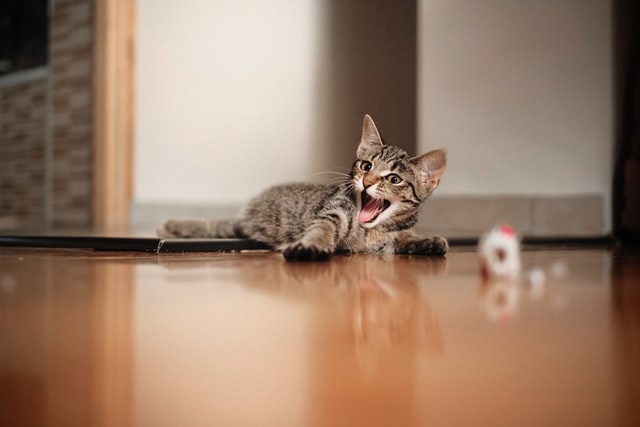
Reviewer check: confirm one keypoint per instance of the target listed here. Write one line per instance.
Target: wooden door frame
(114, 59)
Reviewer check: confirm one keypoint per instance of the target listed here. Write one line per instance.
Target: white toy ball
(499, 253)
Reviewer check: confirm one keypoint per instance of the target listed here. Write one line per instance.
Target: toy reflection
(502, 280)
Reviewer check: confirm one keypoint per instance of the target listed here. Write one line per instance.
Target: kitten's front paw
(183, 228)
(439, 246)
(299, 252)
(433, 246)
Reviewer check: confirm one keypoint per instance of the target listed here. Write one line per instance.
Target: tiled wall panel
(51, 115)
(71, 61)
(22, 130)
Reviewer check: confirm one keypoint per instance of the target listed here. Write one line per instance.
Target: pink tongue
(370, 210)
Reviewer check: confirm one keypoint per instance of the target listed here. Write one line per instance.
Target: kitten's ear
(370, 136)
(430, 167)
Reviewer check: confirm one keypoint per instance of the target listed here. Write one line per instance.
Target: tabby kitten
(373, 211)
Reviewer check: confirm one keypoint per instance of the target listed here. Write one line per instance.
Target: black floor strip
(135, 244)
(159, 245)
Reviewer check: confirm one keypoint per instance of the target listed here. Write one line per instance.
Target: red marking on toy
(507, 230)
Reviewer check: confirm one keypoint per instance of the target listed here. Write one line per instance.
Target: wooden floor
(117, 339)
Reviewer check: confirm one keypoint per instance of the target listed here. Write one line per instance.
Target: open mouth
(371, 208)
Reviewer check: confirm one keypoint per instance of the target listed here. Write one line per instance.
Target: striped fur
(372, 211)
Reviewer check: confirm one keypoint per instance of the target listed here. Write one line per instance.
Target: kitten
(372, 212)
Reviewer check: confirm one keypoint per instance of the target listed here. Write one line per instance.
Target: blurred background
(119, 114)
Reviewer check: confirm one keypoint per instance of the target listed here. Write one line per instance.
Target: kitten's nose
(368, 181)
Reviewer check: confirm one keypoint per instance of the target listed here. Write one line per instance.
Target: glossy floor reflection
(248, 339)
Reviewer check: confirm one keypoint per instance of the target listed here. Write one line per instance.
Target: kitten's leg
(319, 241)
(199, 228)
(410, 244)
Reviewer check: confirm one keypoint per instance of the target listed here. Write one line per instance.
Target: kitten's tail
(201, 228)
(226, 228)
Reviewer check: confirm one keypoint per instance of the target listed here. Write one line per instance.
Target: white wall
(519, 93)
(224, 98)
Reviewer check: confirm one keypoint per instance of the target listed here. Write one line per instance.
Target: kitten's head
(390, 185)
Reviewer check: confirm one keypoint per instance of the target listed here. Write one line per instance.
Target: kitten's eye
(365, 165)
(394, 179)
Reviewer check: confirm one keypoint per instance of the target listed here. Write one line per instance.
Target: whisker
(331, 173)
(345, 169)
(339, 179)
(350, 187)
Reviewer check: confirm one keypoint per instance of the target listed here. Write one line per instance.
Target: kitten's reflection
(377, 303)
(380, 303)
(369, 337)
(368, 328)
(377, 299)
